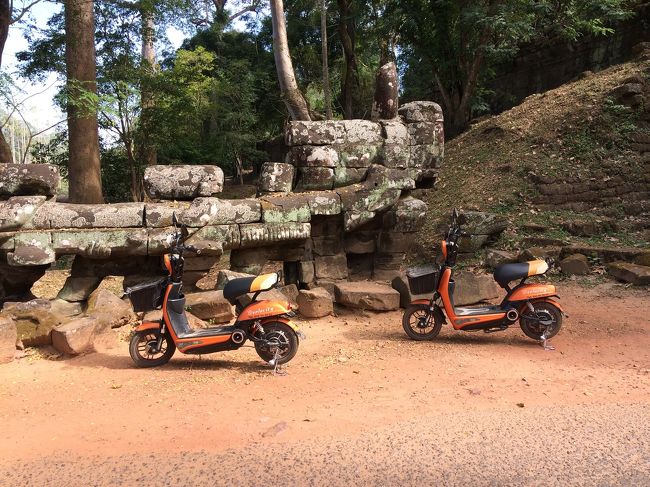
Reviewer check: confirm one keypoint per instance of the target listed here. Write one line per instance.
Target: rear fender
(546, 300)
(148, 325)
(287, 322)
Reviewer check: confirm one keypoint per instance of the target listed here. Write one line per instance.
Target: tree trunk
(84, 176)
(327, 92)
(293, 99)
(385, 104)
(350, 82)
(149, 152)
(5, 22)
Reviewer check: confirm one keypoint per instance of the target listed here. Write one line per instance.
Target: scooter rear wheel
(419, 323)
(545, 313)
(144, 348)
(281, 343)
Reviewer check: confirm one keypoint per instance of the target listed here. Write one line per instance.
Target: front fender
(148, 325)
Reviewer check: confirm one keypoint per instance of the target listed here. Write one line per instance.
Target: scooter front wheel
(419, 323)
(280, 343)
(148, 348)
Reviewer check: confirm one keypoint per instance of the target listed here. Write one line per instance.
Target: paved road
(570, 445)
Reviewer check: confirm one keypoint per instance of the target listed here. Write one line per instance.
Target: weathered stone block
(101, 244)
(28, 179)
(326, 225)
(360, 243)
(311, 178)
(422, 133)
(226, 276)
(313, 156)
(159, 215)
(425, 157)
(639, 275)
(200, 262)
(315, 303)
(75, 337)
(78, 289)
(108, 308)
(483, 223)
(210, 305)
(276, 177)
(391, 242)
(286, 209)
(34, 321)
(324, 203)
(394, 155)
(258, 234)
(63, 215)
(358, 155)
(362, 132)
(29, 255)
(495, 258)
(8, 337)
(406, 216)
(394, 132)
(345, 176)
(474, 288)
(389, 261)
(212, 239)
(331, 267)
(214, 211)
(315, 133)
(182, 182)
(306, 272)
(421, 111)
(367, 295)
(18, 211)
(327, 245)
(575, 265)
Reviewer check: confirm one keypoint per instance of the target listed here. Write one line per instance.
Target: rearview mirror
(184, 231)
(174, 219)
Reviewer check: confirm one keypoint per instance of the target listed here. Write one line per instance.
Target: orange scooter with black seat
(535, 306)
(267, 324)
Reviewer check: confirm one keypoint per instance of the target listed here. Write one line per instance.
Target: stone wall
(337, 208)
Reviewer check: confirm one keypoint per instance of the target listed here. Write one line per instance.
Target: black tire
(419, 323)
(286, 339)
(544, 310)
(140, 348)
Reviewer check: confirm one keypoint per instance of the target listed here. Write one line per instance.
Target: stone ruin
(338, 208)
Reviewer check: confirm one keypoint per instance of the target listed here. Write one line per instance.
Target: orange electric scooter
(533, 305)
(267, 324)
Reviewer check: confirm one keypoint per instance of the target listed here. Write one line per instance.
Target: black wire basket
(147, 296)
(423, 280)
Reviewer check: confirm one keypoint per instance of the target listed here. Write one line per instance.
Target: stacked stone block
(350, 221)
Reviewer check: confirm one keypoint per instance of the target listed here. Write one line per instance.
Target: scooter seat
(244, 285)
(507, 273)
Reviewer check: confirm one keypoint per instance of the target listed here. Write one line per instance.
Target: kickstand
(544, 343)
(277, 369)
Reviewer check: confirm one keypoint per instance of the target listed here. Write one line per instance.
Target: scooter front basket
(424, 279)
(147, 296)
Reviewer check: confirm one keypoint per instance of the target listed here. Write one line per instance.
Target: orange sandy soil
(355, 379)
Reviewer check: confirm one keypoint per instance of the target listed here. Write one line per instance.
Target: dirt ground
(359, 405)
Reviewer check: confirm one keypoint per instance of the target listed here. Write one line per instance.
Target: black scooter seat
(244, 285)
(507, 273)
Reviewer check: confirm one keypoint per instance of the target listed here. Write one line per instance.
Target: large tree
(293, 98)
(84, 171)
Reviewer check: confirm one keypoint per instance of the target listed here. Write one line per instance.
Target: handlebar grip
(192, 248)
